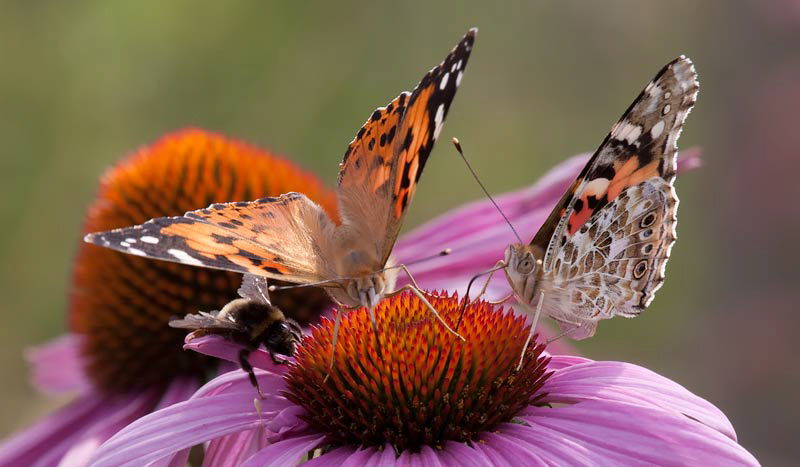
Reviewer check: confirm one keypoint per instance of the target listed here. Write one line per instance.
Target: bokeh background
(84, 83)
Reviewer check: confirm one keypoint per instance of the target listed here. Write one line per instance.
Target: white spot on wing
(443, 84)
(657, 129)
(437, 120)
(136, 251)
(458, 78)
(627, 132)
(125, 244)
(184, 257)
(130, 240)
(149, 239)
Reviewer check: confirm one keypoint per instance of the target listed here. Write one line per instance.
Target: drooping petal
(625, 382)
(620, 433)
(232, 450)
(178, 427)
(57, 366)
(52, 435)
(217, 346)
(119, 412)
(287, 452)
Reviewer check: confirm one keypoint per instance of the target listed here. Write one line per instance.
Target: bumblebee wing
(203, 320)
(255, 288)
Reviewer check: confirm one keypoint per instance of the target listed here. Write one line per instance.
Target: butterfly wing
(608, 240)
(255, 288)
(272, 237)
(382, 165)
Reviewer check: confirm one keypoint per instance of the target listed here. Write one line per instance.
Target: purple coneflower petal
(625, 382)
(339, 457)
(287, 452)
(219, 347)
(619, 433)
(57, 366)
(53, 434)
(143, 441)
(232, 450)
(558, 362)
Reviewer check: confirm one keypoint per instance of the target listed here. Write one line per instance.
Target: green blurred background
(84, 83)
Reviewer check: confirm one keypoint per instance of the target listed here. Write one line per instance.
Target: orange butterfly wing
(271, 237)
(383, 164)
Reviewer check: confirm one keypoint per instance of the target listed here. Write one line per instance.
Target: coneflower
(431, 399)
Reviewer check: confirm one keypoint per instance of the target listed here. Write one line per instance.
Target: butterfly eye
(526, 265)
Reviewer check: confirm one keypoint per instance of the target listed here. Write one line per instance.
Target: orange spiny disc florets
(120, 303)
(425, 386)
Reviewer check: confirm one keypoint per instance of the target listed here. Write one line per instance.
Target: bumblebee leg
(276, 360)
(244, 362)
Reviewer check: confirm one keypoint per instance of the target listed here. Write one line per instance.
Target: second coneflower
(120, 356)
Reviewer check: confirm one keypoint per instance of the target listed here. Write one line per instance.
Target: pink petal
(338, 457)
(358, 458)
(287, 452)
(232, 450)
(120, 411)
(52, 435)
(619, 433)
(238, 382)
(625, 382)
(558, 362)
(218, 346)
(57, 366)
(74, 431)
(178, 427)
(464, 455)
(179, 390)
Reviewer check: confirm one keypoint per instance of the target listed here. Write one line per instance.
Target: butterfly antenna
(444, 252)
(457, 144)
(273, 288)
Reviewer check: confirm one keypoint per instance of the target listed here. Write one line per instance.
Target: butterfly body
(603, 250)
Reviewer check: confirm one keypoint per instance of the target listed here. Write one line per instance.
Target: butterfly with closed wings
(292, 239)
(603, 250)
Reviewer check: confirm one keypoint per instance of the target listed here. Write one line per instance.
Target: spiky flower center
(425, 386)
(121, 304)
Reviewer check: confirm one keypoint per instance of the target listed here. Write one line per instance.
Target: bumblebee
(251, 320)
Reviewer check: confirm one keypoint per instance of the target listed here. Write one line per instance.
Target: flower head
(426, 386)
(458, 404)
(120, 299)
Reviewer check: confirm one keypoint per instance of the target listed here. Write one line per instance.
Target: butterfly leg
(336, 322)
(375, 332)
(562, 334)
(244, 362)
(486, 284)
(421, 296)
(533, 329)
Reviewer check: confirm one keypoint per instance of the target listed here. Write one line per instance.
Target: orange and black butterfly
(291, 238)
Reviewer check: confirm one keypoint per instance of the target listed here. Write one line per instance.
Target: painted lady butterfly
(291, 238)
(603, 250)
